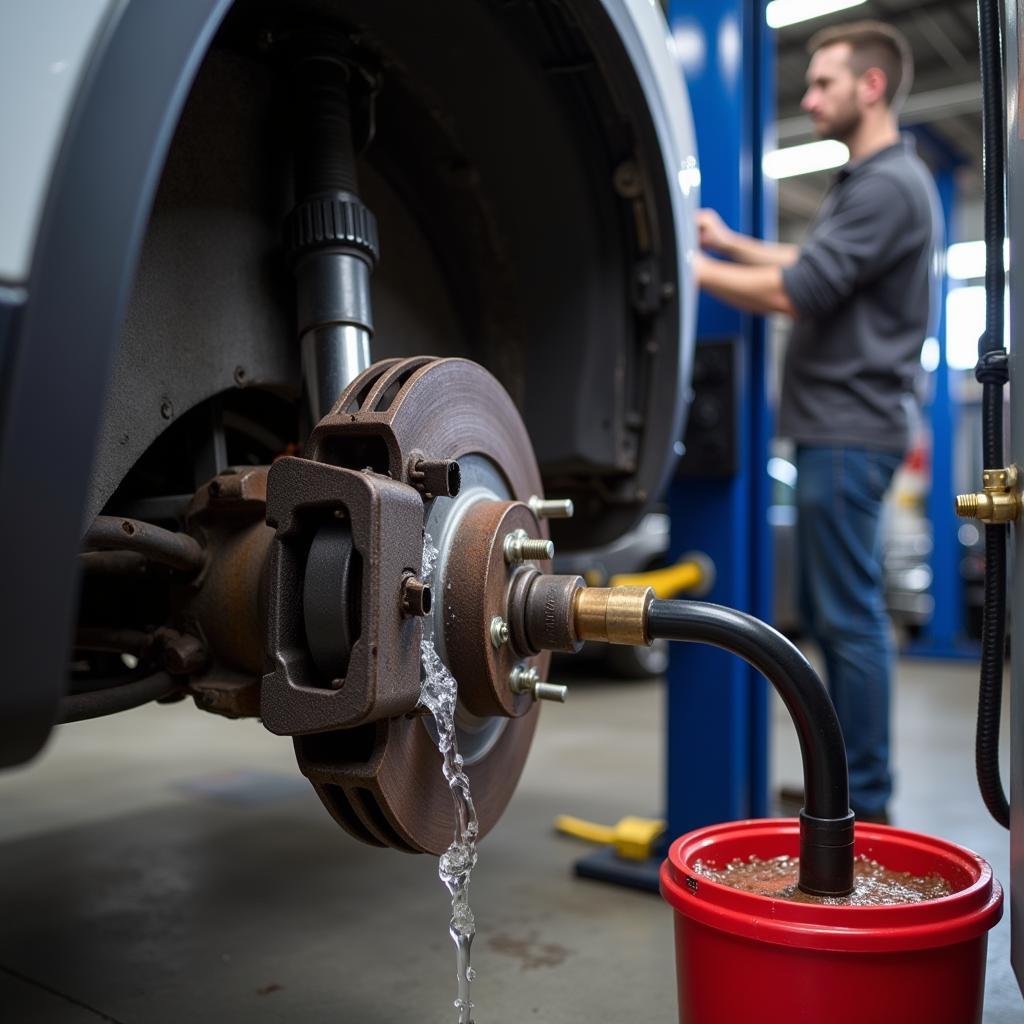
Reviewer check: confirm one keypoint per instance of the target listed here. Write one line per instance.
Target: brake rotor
(382, 782)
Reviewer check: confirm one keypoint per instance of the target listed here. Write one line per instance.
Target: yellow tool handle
(588, 830)
(665, 583)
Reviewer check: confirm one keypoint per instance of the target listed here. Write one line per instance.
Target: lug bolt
(416, 597)
(551, 508)
(550, 691)
(521, 547)
(527, 680)
(499, 631)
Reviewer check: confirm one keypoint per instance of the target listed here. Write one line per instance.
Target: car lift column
(717, 706)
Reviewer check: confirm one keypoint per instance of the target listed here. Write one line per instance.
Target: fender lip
(648, 41)
(58, 359)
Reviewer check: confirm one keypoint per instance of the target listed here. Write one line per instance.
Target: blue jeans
(842, 601)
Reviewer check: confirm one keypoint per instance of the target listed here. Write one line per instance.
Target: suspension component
(175, 550)
(331, 235)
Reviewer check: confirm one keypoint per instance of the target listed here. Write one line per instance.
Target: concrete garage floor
(166, 866)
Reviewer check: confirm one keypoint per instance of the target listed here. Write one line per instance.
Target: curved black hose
(78, 707)
(826, 822)
(990, 688)
(992, 371)
(167, 547)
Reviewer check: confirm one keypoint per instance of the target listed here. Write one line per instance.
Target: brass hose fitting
(1000, 502)
(613, 615)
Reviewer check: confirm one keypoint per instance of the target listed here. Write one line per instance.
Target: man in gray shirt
(858, 290)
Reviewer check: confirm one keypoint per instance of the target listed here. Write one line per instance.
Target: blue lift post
(944, 636)
(717, 706)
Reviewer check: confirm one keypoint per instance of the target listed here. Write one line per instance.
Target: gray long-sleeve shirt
(862, 288)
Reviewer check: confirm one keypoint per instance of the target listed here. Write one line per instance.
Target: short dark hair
(873, 44)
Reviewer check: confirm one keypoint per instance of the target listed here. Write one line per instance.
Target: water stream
(439, 694)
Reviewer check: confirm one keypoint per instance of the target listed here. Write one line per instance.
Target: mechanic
(858, 290)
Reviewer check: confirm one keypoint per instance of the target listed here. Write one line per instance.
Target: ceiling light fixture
(780, 13)
(806, 159)
(965, 261)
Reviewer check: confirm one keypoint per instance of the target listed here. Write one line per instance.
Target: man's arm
(754, 289)
(715, 236)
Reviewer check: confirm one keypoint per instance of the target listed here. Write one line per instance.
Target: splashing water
(873, 884)
(439, 693)
(429, 558)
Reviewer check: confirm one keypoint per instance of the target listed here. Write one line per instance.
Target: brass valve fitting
(1000, 501)
(614, 615)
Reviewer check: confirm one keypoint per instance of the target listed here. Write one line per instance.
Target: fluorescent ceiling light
(780, 13)
(965, 261)
(814, 156)
(965, 322)
(782, 470)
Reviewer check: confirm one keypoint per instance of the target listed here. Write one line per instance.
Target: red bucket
(743, 958)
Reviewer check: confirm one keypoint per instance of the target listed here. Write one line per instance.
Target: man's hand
(713, 233)
(715, 236)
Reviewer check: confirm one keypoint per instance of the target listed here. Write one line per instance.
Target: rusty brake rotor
(408, 419)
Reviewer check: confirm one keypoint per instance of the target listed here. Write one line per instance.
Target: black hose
(78, 707)
(167, 547)
(993, 160)
(113, 563)
(826, 822)
(992, 371)
(113, 641)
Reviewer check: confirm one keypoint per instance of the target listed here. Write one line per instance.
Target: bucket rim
(964, 914)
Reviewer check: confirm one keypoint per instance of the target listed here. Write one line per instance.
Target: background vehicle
(907, 546)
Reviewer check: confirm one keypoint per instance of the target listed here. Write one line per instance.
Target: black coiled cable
(992, 372)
